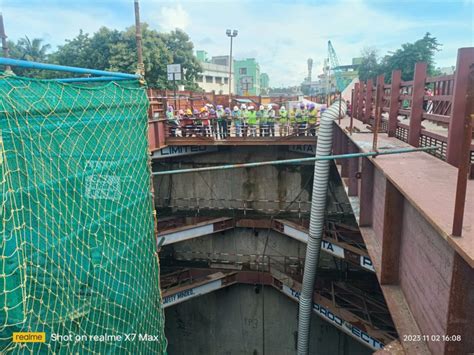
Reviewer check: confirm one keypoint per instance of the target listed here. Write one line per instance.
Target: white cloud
(174, 17)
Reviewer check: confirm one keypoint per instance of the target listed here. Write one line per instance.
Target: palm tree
(33, 50)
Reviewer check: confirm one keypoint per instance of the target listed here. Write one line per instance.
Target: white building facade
(214, 77)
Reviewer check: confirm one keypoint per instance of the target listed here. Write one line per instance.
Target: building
(247, 77)
(447, 70)
(215, 73)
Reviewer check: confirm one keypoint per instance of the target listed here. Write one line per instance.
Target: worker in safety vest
(282, 121)
(205, 124)
(292, 119)
(228, 120)
(244, 114)
(252, 121)
(212, 123)
(312, 118)
(271, 120)
(260, 120)
(221, 132)
(172, 121)
(237, 120)
(300, 115)
(196, 123)
(187, 123)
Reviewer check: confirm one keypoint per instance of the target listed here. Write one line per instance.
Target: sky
(281, 35)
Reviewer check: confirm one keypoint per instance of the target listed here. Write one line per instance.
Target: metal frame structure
(337, 240)
(353, 311)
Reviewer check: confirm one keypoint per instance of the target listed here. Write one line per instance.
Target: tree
(156, 56)
(181, 49)
(75, 52)
(422, 50)
(32, 50)
(404, 58)
(369, 67)
(116, 51)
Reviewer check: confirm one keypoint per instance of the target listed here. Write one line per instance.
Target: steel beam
(342, 318)
(331, 246)
(187, 232)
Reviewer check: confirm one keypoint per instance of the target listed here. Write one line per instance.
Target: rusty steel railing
(442, 118)
(412, 115)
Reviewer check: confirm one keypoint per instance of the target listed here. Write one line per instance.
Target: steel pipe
(63, 68)
(294, 161)
(91, 79)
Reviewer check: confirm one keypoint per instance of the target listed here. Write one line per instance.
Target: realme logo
(27, 337)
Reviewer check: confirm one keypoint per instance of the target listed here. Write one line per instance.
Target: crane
(334, 63)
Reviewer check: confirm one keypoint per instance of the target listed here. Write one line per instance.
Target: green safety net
(78, 256)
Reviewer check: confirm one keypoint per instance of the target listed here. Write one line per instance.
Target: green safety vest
(245, 115)
(292, 116)
(252, 118)
(313, 116)
(300, 115)
(283, 116)
(271, 116)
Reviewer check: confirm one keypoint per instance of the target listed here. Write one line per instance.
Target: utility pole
(4, 43)
(138, 37)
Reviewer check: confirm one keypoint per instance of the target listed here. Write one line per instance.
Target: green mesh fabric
(77, 255)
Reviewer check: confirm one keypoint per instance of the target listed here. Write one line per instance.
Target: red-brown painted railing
(447, 106)
(450, 105)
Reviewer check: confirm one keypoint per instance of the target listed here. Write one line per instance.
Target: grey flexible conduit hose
(318, 206)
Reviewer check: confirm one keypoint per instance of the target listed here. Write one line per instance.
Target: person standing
(282, 121)
(292, 121)
(260, 119)
(212, 123)
(172, 121)
(196, 123)
(271, 120)
(300, 116)
(219, 132)
(222, 117)
(206, 129)
(252, 121)
(244, 114)
(186, 123)
(237, 121)
(312, 118)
